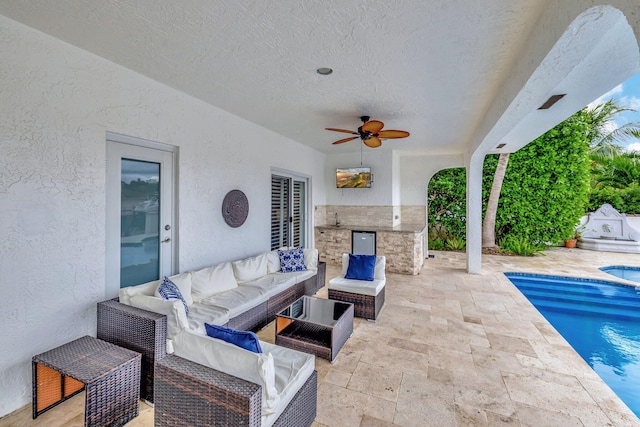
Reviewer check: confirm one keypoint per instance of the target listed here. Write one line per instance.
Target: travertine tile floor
(450, 349)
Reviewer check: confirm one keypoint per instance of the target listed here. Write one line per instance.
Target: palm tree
(618, 172)
(489, 222)
(603, 139)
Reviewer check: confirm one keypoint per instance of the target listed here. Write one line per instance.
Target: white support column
(474, 214)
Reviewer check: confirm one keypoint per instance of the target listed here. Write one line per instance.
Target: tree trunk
(489, 223)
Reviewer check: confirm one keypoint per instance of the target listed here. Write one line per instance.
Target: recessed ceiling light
(324, 71)
(552, 100)
(501, 146)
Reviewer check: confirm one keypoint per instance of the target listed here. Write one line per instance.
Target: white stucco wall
(416, 171)
(58, 102)
(381, 191)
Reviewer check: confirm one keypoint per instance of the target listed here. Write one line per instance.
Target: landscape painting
(356, 177)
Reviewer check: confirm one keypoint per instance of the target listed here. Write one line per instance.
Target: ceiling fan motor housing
(364, 134)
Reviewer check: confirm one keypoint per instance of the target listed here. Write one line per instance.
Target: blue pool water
(601, 321)
(628, 273)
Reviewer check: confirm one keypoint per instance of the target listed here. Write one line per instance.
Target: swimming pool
(601, 321)
(628, 273)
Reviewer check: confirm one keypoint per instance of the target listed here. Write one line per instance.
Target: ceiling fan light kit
(370, 133)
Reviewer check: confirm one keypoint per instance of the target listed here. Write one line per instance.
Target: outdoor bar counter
(402, 245)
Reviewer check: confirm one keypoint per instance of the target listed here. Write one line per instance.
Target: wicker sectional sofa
(243, 294)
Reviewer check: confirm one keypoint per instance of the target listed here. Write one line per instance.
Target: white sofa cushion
(257, 368)
(273, 283)
(183, 282)
(361, 287)
(303, 275)
(212, 280)
(148, 288)
(199, 314)
(250, 268)
(292, 369)
(173, 309)
(237, 300)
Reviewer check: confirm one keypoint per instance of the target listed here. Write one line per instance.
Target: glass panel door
(139, 219)
(139, 222)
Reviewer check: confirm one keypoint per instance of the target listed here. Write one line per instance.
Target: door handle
(166, 240)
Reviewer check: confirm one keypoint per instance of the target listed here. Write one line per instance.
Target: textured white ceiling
(429, 67)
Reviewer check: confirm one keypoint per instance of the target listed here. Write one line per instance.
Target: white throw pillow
(250, 268)
(148, 288)
(311, 258)
(273, 262)
(173, 309)
(183, 282)
(212, 280)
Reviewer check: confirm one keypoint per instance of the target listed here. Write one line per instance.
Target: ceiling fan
(370, 133)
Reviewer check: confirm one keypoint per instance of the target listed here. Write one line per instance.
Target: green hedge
(543, 196)
(625, 200)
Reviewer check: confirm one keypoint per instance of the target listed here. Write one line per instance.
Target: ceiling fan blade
(343, 130)
(393, 134)
(372, 126)
(345, 140)
(373, 142)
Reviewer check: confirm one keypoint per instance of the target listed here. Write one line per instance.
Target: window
(288, 211)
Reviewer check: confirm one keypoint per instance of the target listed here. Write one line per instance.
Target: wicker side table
(110, 375)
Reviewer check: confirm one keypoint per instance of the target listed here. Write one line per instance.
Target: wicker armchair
(188, 394)
(367, 297)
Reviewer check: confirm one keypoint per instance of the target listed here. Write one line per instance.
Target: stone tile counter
(402, 245)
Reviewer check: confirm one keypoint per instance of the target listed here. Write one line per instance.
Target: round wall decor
(235, 208)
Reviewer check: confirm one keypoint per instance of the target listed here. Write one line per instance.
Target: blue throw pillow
(361, 267)
(245, 339)
(292, 260)
(169, 290)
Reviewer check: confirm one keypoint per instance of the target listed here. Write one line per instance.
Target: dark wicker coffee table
(315, 325)
(110, 375)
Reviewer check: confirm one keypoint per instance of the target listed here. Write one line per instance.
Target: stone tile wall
(403, 251)
(331, 244)
(373, 216)
(413, 214)
(319, 214)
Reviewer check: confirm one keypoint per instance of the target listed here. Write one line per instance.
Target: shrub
(455, 244)
(436, 244)
(522, 246)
